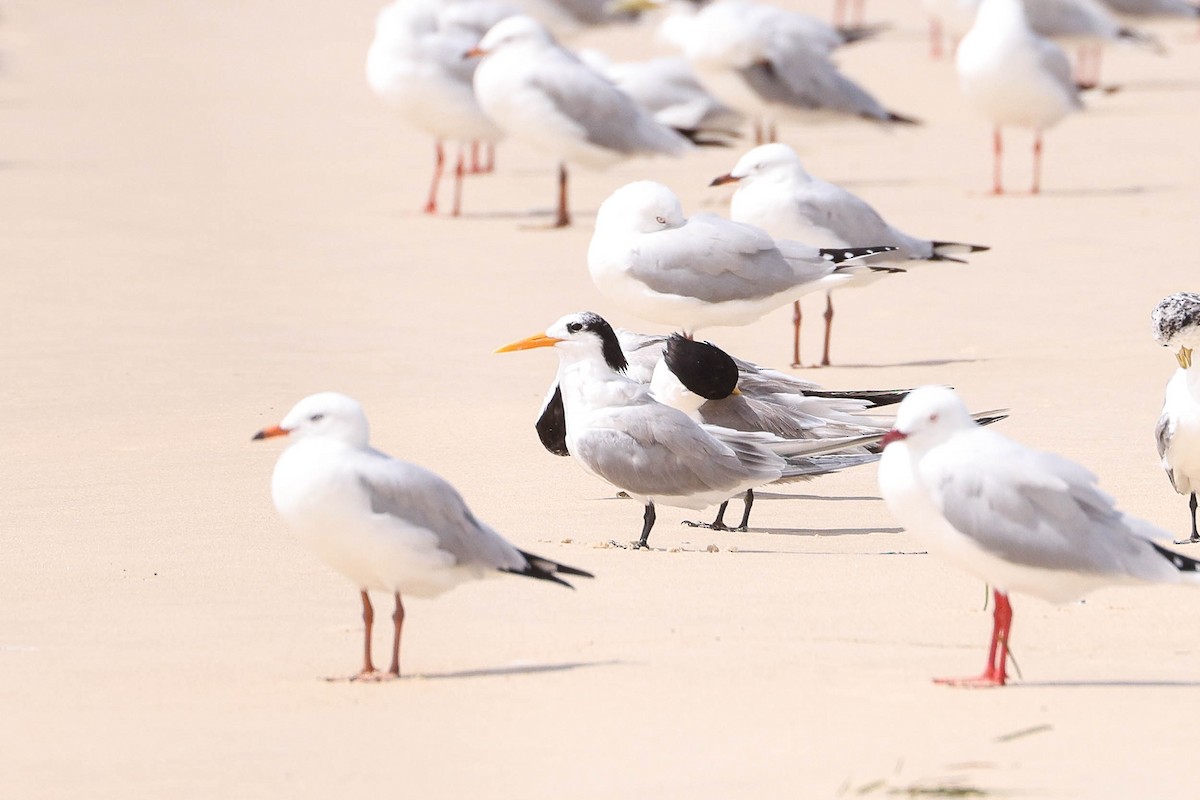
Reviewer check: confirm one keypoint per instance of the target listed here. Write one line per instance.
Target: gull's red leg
(1037, 163)
(456, 209)
(828, 327)
(797, 317)
(439, 161)
(994, 673)
(398, 622)
(368, 616)
(997, 150)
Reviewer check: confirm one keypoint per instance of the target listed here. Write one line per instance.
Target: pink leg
(439, 161)
(839, 12)
(797, 317)
(997, 174)
(1037, 163)
(828, 327)
(564, 216)
(490, 166)
(995, 671)
(458, 181)
(860, 11)
(935, 39)
(398, 623)
(476, 167)
(368, 616)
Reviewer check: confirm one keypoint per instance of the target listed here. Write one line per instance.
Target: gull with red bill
(385, 524)
(1022, 520)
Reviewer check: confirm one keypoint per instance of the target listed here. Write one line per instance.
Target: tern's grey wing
(742, 413)
(416, 496)
(716, 260)
(1163, 432)
(607, 117)
(658, 451)
(1040, 510)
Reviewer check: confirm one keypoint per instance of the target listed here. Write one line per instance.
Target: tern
(776, 193)
(1176, 322)
(1022, 520)
(657, 454)
(385, 524)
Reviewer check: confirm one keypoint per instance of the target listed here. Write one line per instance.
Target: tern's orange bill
(274, 430)
(537, 340)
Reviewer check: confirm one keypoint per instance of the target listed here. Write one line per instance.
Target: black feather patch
(1180, 562)
(839, 254)
(545, 569)
(702, 367)
(552, 425)
(614, 356)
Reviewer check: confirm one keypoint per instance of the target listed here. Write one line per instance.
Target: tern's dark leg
(717, 524)
(647, 524)
(748, 498)
(564, 216)
(398, 622)
(1195, 534)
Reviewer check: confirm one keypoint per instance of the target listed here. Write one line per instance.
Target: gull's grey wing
(854, 220)
(1057, 65)
(416, 496)
(1040, 510)
(606, 116)
(716, 260)
(804, 79)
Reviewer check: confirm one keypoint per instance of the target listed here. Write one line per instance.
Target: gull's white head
(1176, 323)
(775, 162)
(329, 415)
(641, 206)
(928, 417)
(579, 335)
(513, 31)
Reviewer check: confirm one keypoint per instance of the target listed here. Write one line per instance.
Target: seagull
(385, 524)
(415, 63)
(1176, 322)
(776, 194)
(1022, 520)
(770, 63)
(657, 454)
(1154, 8)
(1014, 77)
(1090, 26)
(699, 271)
(543, 95)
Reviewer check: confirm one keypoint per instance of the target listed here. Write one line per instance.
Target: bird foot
(1192, 540)
(372, 676)
(715, 526)
(985, 681)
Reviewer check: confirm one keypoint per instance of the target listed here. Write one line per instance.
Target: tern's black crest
(702, 367)
(552, 425)
(614, 356)
(839, 254)
(1175, 314)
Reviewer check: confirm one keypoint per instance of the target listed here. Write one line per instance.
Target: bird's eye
(661, 220)
(575, 327)
(933, 417)
(316, 418)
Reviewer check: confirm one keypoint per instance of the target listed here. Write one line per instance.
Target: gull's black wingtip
(545, 569)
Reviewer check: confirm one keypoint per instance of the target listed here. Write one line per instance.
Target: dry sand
(207, 215)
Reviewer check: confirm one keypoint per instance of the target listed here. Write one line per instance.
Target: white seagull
(777, 194)
(1022, 520)
(385, 524)
(1176, 322)
(695, 272)
(415, 63)
(545, 96)
(618, 432)
(1012, 76)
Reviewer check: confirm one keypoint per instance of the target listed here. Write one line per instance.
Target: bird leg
(797, 317)
(828, 327)
(994, 673)
(748, 498)
(490, 166)
(368, 616)
(935, 39)
(1195, 534)
(398, 622)
(564, 216)
(439, 161)
(476, 164)
(647, 524)
(997, 149)
(1037, 163)
(718, 524)
(771, 131)
(458, 181)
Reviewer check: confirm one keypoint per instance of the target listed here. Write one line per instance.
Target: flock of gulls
(673, 420)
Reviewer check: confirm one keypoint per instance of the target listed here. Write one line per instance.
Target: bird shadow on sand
(1108, 191)
(513, 669)
(1105, 684)
(931, 362)
(821, 532)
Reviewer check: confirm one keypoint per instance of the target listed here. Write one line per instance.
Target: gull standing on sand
(703, 270)
(618, 432)
(770, 63)
(1022, 520)
(546, 97)
(385, 524)
(777, 194)
(1176, 322)
(415, 63)
(1014, 77)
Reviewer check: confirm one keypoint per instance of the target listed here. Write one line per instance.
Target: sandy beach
(207, 216)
